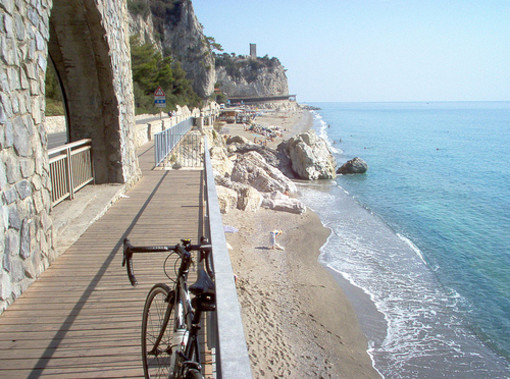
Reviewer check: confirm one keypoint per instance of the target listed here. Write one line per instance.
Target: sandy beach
(298, 322)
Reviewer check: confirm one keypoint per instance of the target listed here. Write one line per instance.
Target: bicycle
(173, 352)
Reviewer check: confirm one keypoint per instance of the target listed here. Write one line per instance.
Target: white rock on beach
(252, 169)
(279, 202)
(249, 199)
(237, 195)
(238, 140)
(220, 161)
(310, 156)
(227, 198)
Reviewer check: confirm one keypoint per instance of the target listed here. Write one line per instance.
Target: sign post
(159, 99)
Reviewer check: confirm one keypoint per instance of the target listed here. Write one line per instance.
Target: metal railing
(166, 140)
(70, 169)
(232, 360)
(189, 152)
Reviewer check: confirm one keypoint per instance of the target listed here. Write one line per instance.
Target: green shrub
(150, 70)
(54, 108)
(138, 7)
(54, 101)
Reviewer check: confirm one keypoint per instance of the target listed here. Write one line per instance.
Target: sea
(421, 241)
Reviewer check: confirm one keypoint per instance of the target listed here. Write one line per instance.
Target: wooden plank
(82, 318)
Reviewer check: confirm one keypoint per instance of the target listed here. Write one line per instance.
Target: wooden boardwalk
(82, 318)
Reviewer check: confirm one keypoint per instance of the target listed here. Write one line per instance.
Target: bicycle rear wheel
(156, 337)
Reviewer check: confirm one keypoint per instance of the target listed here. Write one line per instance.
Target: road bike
(171, 317)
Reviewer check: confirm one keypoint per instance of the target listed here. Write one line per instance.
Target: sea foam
(427, 334)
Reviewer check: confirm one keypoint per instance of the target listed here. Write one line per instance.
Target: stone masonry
(88, 43)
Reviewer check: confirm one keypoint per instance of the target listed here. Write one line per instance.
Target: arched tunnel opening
(79, 50)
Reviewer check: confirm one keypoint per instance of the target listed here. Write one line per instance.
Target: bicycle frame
(184, 346)
(186, 318)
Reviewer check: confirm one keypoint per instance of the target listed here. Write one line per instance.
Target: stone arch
(90, 47)
(79, 49)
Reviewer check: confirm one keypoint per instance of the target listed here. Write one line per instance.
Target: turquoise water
(425, 232)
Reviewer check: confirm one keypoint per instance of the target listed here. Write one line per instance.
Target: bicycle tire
(158, 310)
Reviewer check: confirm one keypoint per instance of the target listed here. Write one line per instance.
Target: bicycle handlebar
(180, 249)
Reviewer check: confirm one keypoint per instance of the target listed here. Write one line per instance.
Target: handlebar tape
(128, 258)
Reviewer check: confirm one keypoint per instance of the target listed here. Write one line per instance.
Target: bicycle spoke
(156, 355)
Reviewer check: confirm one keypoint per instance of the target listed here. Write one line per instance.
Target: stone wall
(55, 124)
(89, 44)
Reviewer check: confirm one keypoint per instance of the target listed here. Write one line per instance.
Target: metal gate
(189, 152)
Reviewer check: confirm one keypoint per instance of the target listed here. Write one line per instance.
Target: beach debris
(230, 229)
(310, 156)
(354, 166)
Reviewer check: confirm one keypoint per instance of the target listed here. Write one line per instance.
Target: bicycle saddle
(203, 285)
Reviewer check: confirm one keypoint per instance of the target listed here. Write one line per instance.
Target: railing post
(70, 173)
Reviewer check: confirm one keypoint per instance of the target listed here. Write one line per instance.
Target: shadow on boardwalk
(82, 318)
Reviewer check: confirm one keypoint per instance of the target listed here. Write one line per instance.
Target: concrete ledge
(71, 218)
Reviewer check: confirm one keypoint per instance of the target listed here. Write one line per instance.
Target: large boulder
(249, 199)
(276, 158)
(238, 140)
(310, 156)
(220, 161)
(239, 195)
(252, 169)
(279, 202)
(227, 199)
(354, 166)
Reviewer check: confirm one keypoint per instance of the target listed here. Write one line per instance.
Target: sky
(373, 50)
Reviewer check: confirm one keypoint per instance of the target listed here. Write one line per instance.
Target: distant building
(253, 50)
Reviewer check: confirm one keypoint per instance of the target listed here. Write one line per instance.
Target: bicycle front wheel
(156, 345)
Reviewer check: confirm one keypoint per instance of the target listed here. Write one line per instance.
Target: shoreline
(298, 321)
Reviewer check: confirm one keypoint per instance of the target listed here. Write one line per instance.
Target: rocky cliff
(174, 28)
(249, 76)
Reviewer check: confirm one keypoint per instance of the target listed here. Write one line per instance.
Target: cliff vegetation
(169, 49)
(250, 76)
(54, 101)
(239, 67)
(150, 69)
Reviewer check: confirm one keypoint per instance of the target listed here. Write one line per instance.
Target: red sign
(159, 92)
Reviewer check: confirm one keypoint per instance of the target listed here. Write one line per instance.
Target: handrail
(232, 360)
(69, 146)
(166, 140)
(71, 168)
